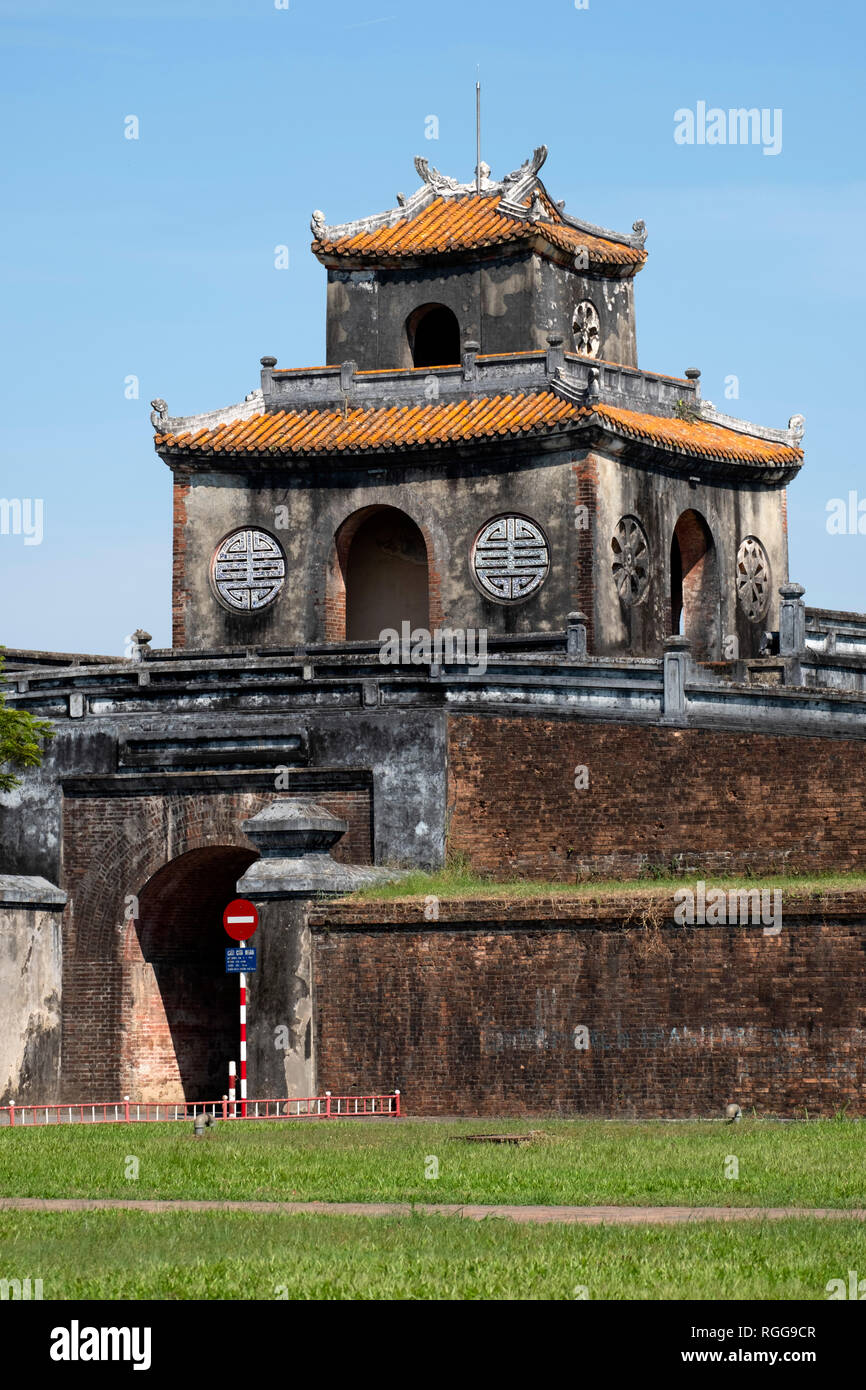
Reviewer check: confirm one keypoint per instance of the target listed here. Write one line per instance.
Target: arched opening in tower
(183, 1026)
(385, 576)
(695, 586)
(434, 336)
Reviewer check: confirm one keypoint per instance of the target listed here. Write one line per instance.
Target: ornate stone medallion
(631, 560)
(248, 570)
(587, 329)
(510, 558)
(753, 579)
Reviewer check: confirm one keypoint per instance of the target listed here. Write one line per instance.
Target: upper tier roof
(446, 218)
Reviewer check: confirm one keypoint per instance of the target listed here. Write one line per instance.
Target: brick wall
(582, 588)
(477, 1013)
(179, 592)
(702, 798)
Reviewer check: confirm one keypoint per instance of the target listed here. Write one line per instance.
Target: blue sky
(154, 257)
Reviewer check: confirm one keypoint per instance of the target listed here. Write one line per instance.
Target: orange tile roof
(473, 221)
(380, 428)
(697, 438)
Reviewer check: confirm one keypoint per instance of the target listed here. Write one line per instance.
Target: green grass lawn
(577, 1162)
(136, 1255)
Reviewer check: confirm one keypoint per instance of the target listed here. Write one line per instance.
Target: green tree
(21, 737)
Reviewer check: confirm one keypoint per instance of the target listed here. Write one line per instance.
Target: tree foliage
(21, 739)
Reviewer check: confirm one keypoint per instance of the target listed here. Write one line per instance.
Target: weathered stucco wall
(657, 500)
(30, 990)
(505, 304)
(450, 502)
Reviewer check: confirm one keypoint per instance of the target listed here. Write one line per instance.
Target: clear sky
(154, 258)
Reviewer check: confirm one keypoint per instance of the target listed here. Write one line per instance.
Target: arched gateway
(183, 1020)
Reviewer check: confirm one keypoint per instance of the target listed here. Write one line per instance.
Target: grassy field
(576, 1162)
(134, 1255)
(458, 880)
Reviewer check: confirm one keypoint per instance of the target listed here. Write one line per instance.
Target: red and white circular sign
(240, 919)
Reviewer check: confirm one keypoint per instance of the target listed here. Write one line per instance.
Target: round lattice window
(753, 579)
(631, 560)
(248, 570)
(510, 558)
(587, 329)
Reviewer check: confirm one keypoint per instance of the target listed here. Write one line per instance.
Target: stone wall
(30, 989)
(482, 1012)
(694, 798)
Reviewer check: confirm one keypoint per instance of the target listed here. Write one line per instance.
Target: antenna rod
(478, 137)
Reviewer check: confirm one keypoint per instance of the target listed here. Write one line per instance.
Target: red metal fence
(126, 1111)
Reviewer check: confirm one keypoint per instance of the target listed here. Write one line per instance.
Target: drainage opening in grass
(527, 1138)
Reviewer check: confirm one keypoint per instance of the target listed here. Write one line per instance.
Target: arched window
(695, 585)
(434, 336)
(383, 559)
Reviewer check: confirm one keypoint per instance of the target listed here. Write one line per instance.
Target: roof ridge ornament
(520, 183)
(441, 183)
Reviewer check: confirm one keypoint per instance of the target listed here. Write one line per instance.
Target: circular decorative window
(510, 558)
(753, 579)
(248, 570)
(631, 560)
(587, 329)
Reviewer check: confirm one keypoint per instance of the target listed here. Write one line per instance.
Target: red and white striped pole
(243, 1059)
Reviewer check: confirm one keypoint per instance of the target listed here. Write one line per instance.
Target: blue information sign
(240, 958)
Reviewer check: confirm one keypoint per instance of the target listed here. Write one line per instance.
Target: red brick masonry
(477, 1013)
(708, 799)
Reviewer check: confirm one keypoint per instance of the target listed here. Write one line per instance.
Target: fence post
(328, 1105)
(126, 1108)
(12, 1113)
(225, 1107)
(397, 1094)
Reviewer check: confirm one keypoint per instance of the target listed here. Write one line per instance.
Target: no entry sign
(240, 919)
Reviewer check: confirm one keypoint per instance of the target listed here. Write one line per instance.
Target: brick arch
(695, 592)
(180, 1008)
(112, 848)
(335, 579)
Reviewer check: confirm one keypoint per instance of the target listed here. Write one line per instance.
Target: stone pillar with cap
(576, 636)
(792, 631)
(294, 837)
(676, 663)
(555, 359)
(792, 620)
(471, 350)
